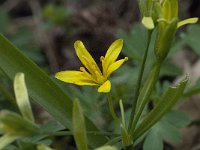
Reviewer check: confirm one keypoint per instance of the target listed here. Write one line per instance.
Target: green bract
(165, 35)
(167, 18)
(22, 99)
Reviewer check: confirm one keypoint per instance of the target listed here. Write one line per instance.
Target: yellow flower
(91, 73)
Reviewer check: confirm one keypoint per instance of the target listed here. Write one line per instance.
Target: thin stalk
(139, 81)
(113, 141)
(145, 94)
(111, 108)
(62, 133)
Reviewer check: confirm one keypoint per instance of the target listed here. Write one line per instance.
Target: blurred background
(45, 30)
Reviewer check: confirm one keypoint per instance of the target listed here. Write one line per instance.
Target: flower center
(94, 71)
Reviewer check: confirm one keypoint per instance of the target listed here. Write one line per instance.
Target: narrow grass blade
(79, 129)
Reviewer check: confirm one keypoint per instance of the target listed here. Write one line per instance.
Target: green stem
(139, 81)
(62, 133)
(145, 94)
(111, 108)
(113, 141)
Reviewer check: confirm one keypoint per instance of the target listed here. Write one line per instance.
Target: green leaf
(168, 69)
(107, 147)
(153, 141)
(27, 43)
(47, 129)
(4, 21)
(134, 45)
(7, 139)
(43, 147)
(169, 132)
(79, 129)
(10, 147)
(51, 127)
(12, 123)
(177, 118)
(25, 145)
(192, 38)
(170, 125)
(145, 92)
(193, 90)
(21, 95)
(166, 103)
(167, 129)
(42, 89)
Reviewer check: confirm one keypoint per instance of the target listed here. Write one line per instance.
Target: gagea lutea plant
(159, 17)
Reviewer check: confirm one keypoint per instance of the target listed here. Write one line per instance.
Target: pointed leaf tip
(187, 21)
(22, 97)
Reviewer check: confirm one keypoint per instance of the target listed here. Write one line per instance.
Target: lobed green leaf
(153, 141)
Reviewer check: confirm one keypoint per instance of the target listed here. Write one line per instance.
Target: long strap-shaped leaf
(41, 88)
(167, 102)
(79, 130)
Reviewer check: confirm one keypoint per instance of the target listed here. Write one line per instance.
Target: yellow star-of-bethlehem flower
(91, 73)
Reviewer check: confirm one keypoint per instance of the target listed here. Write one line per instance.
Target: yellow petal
(114, 50)
(85, 57)
(112, 54)
(187, 21)
(115, 66)
(148, 23)
(75, 77)
(105, 87)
